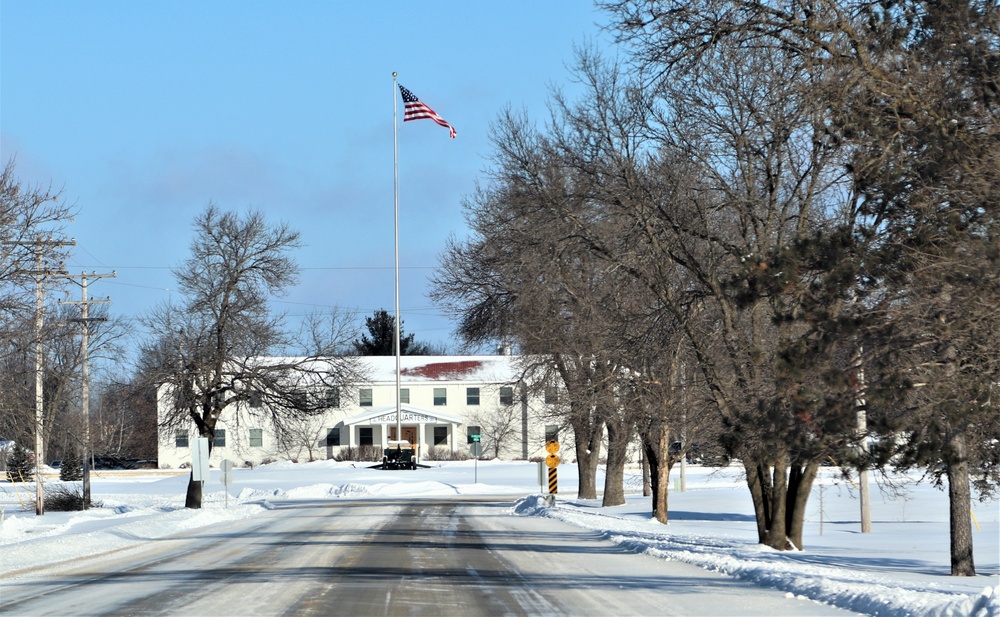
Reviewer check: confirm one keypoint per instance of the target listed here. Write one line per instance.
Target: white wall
(311, 435)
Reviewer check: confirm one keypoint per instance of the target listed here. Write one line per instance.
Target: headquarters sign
(405, 416)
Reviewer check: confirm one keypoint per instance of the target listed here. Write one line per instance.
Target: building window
(255, 400)
(365, 436)
(440, 396)
(551, 395)
(365, 397)
(299, 398)
(404, 395)
(181, 439)
(256, 438)
(440, 435)
(331, 398)
(220, 438)
(333, 436)
(506, 395)
(551, 433)
(472, 430)
(472, 396)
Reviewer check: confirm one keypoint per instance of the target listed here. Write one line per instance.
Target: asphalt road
(437, 557)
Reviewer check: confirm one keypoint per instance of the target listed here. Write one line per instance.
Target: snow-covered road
(455, 556)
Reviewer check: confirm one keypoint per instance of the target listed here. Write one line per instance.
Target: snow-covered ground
(901, 568)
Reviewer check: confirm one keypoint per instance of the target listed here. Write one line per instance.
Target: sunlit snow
(901, 568)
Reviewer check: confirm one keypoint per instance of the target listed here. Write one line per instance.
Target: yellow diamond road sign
(552, 447)
(552, 461)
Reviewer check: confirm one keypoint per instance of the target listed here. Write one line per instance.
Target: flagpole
(395, 190)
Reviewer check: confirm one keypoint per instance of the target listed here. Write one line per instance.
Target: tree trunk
(777, 533)
(960, 503)
(619, 434)
(780, 496)
(588, 455)
(661, 509)
(655, 445)
(801, 478)
(653, 462)
(193, 499)
(194, 488)
(646, 487)
(759, 483)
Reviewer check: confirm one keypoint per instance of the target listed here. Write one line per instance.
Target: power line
(359, 268)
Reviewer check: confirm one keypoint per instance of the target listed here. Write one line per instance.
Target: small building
(444, 400)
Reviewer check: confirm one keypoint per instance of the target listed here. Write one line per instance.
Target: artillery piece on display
(399, 455)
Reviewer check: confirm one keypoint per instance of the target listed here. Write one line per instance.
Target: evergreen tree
(923, 115)
(72, 467)
(381, 328)
(20, 467)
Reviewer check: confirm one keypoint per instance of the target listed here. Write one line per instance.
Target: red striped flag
(415, 110)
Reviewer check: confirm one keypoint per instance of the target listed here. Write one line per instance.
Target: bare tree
(28, 215)
(17, 383)
(669, 406)
(60, 378)
(519, 280)
(216, 352)
(305, 435)
(499, 427)
(726, 166)
(123, 417)
(532, 275)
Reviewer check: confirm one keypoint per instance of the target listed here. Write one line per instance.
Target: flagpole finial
(394, 73)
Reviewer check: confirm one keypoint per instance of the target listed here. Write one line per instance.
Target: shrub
(362, 454)
(445, 454)
(66, 498)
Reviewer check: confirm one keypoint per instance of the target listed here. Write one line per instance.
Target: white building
(444, 400)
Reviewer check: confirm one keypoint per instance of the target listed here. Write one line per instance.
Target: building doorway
(409, 434)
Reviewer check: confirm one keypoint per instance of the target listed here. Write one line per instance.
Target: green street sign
(476, 438)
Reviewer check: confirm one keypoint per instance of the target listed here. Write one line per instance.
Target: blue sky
(143, 112)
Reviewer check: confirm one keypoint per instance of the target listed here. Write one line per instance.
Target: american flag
(415, 110)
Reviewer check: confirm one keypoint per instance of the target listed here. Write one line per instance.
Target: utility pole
(40, 273)
(862, 418)
(684, 441)
(861, 410)
(85, 320)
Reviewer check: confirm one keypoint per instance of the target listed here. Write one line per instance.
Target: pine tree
(20, 467)
(72, 468)
(382, 326)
